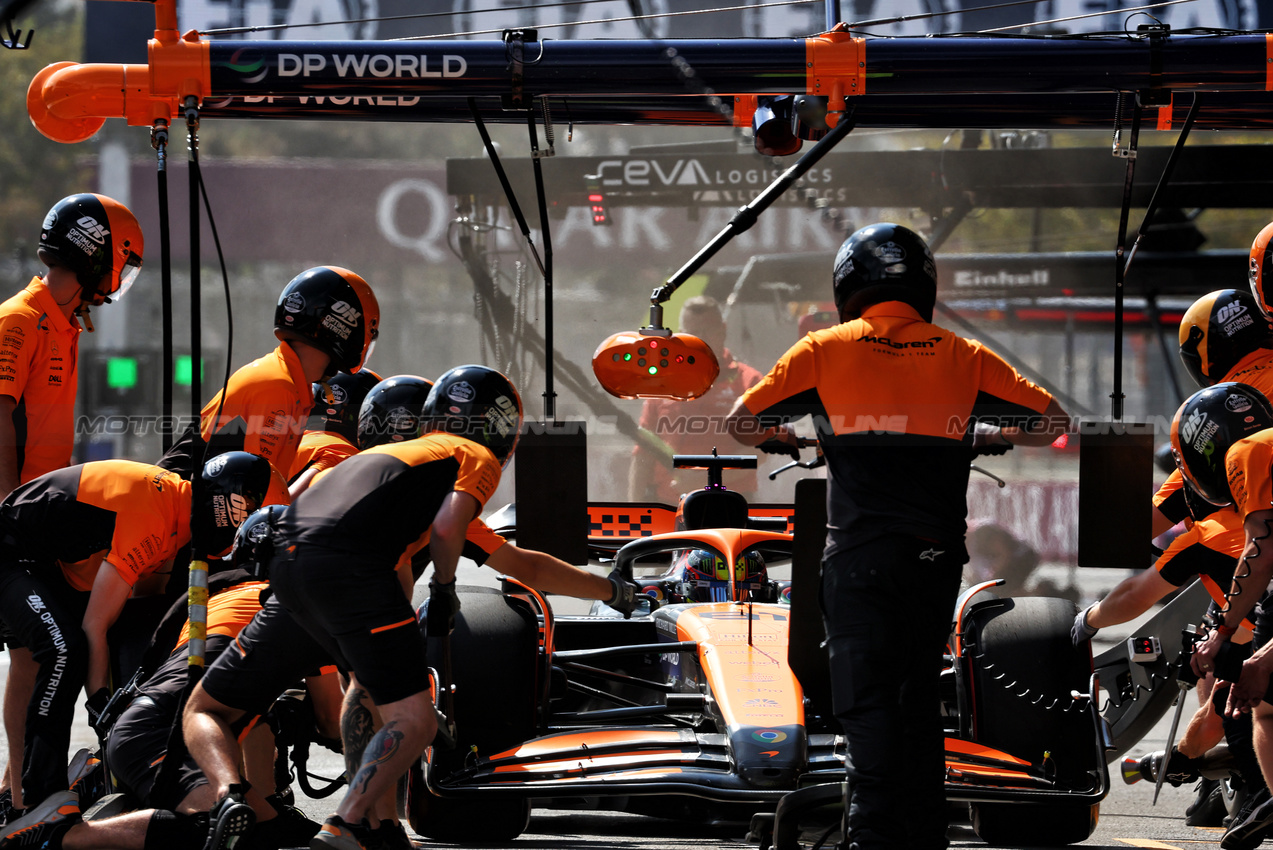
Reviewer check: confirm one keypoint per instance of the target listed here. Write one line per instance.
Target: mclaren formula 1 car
(714, 696)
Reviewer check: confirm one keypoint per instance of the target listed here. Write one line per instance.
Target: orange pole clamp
(745, 109)
(1268, 62)
(835, 68)
(69, 102)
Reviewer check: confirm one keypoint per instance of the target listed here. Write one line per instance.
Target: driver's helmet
(702, 576)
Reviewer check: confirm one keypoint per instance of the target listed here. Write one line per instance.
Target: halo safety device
(392, 411)
(254, 541)
(337, 402)
(333, 310)
(479, 404)
(1218, 330)
(98, 239)
(1206, 426)
(884, 262)
(234, 485)
(1260, 273)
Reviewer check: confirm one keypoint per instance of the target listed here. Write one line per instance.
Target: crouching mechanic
(175, 815)
(1222, 441)
(72, 544)
(343, 549)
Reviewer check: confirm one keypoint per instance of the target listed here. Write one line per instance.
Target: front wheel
(1024, 668)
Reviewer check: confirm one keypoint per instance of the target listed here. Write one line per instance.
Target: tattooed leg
(408, 726)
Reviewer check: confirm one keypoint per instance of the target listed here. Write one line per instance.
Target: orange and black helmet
(1260, 273)
(393, 411)
(95, 237)
(1218, 330)
(478, 403)
(337, 402)
(1204, 429)
(333, 310)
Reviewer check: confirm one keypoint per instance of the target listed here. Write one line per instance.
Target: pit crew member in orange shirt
(898, 404)
(93, 248)
(331, 434)
(72, 544)
(326, 321)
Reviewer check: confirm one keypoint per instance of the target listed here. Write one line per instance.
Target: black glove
(1081, 632)
(444, 604)
(96, 704)
(988, 439)
(775, 446)
(1181, 768)
(624, 594)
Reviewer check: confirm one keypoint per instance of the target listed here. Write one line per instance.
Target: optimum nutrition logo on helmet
(502, 416)
(229, 512)
(347, 313)
(1233, 317)
(88, 235)
(1197, 431)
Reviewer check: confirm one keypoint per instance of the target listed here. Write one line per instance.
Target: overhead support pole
(68, 102)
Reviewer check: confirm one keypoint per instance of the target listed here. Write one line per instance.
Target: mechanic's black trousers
(888, 605)
(47, 621)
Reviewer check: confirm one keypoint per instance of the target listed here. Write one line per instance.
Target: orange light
(685, 372)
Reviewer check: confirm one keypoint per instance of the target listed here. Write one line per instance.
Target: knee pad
(173, 829)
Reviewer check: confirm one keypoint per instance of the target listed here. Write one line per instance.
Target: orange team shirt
(266, 408)
(1208, 550)
(229, 611)
(39, 350)
(1255, 370)
(320, 450)
(380, 503)
(892, 398)
(1247, 465)
(133, 514)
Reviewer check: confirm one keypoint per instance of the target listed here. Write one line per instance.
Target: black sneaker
(290, 829)
(229, 819)
(44, 824)
(1251, 825)
(86, 776)
(1207, 808)
(392, 836)
(336, 834)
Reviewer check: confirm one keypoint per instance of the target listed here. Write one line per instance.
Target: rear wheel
(1023, 670)
(494, 651)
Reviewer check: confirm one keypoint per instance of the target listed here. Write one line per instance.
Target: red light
(1061, 441)
(680, 358)
(596, 199)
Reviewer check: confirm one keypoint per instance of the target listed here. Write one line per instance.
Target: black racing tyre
(1024, 668)
(494, 651)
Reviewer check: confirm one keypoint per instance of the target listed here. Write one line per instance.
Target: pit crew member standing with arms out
(93, 247)
(72, 545)
(893, 397)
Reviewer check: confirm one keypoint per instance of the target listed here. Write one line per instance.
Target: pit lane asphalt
(1127, 819)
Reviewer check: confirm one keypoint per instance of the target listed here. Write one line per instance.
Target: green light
(121, 373)
(654, 370)
(627, 357)
(183, 372)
